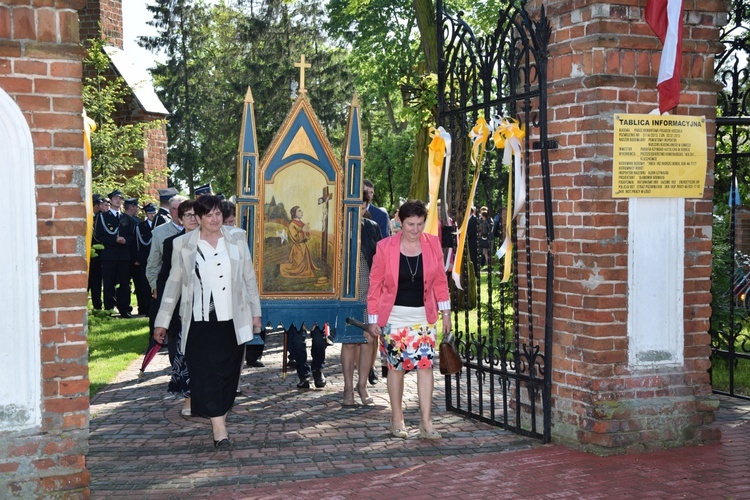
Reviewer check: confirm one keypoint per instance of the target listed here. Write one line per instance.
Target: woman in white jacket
(212, 271)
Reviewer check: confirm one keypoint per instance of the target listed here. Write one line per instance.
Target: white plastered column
(20, 356)
(656, 260)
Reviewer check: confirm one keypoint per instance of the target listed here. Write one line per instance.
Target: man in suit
(204, 190)
(298, 355)
(143, 235)
(116, 232)
(155, 255)
(139, 254)
(377, 214)
(163, 214)
(158, 235)
(95, 262)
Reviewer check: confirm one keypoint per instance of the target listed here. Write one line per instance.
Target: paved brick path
(289, 442)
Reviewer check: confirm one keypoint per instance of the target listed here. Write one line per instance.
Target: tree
(113, 145)
(394, 50)
(386, 158)
(181, 36)
(214, 53)
(380, 35)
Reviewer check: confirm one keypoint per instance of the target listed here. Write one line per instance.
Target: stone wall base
(44, 465)
(625, 425)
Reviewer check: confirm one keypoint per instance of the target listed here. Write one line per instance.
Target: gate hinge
(550, 144)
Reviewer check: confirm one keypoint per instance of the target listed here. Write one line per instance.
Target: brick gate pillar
(43, 449)
(609, 396)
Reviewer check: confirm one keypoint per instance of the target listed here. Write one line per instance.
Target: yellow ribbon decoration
(441, 141)
(508, 134)
(479, 134)
(89, 126)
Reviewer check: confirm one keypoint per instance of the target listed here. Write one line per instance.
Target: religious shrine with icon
(300, 206)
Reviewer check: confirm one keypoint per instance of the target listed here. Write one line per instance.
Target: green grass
(720, 376)
(113, 344)
(473, 321)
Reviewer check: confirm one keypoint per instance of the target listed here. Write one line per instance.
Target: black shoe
(304, 383)
(222, 443)
(238, 393)
(373, 377)
(320, 379)
(256, 364)
(291, 364)
(126, 315)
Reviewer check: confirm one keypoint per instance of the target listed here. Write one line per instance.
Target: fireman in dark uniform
(116, 231)
(95, 262)
(143, 239)
(162, 215)
(137, 263)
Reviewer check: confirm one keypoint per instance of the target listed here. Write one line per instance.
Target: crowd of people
(122, 244)
(193, 276)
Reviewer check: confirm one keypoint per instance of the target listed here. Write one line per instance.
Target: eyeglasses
(188, 216)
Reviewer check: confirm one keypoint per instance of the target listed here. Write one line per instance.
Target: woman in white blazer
(212, 272)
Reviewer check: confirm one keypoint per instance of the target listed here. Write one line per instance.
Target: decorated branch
(507, 135)
(479, 136)
(439, 156)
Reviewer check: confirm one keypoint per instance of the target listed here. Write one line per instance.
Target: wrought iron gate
(730, 321)
(504, 329)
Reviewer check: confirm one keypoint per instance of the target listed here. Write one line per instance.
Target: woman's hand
(446, 324)
(257, 324)
(160, 334)
(374, 331)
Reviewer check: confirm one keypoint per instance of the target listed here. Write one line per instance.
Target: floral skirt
(410, 341)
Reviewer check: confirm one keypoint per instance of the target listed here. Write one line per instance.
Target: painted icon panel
(299, 231)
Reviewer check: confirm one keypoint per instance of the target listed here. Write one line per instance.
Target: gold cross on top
(302, 65)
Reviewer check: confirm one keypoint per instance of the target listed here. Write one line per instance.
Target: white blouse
(214, 272)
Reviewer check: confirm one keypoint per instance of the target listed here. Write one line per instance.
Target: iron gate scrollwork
(504, 329)
(730, 320)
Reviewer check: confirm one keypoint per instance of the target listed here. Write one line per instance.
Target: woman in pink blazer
(408, 287)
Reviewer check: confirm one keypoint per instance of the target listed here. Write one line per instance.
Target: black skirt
(215, 361)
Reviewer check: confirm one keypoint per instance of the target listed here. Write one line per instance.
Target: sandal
(399, 433)
(366, 400)
(433, 435)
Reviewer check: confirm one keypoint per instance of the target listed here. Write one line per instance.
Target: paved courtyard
(290, 443)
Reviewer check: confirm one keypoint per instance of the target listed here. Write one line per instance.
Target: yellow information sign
(659, 156)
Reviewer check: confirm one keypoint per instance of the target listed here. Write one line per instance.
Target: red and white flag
(665, 18)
